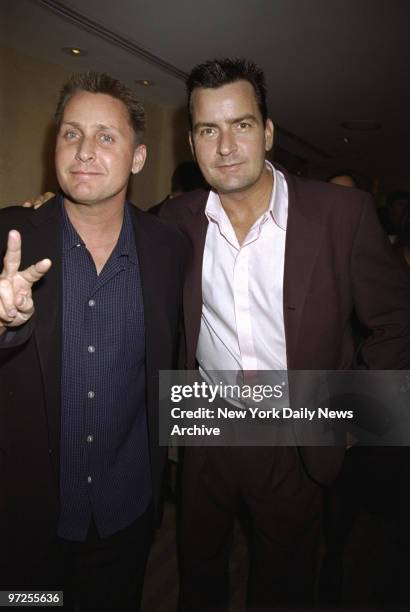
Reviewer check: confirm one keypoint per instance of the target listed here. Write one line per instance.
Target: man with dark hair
(278, 265)
(83, 334)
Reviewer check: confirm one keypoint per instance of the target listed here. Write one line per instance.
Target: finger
(12, 258)
(36, 271)
(24, 304)
(8, 308)
(27, 204)
(42, 199)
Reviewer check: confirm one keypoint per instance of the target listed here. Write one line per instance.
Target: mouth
(229, 167)
(84, 174)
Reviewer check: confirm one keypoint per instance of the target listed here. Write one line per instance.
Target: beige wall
(167, 145)
(29, 90)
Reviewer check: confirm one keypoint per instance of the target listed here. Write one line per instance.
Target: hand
(39, 200)
(16, 303)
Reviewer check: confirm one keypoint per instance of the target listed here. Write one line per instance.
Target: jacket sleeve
(14, 338)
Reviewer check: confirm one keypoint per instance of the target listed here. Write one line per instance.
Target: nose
(226, 143)
(86, 151)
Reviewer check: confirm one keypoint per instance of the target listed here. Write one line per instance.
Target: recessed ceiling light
(76, 51)
(361, 125)
(145, 82)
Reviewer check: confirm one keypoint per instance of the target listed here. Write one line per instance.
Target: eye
(243, 125)
(207, 131)
(70, 135)
(106, 138)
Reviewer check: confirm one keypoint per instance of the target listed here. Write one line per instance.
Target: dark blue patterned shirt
(105, 467)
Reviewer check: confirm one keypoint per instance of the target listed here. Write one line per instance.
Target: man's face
(96, 149)
(228, 138)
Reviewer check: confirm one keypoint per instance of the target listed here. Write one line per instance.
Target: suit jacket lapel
(47, 242)
(303, 239)
(196, 225)
(151, 268)
(147, 263)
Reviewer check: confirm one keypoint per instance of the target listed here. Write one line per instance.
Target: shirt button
(90, 439)
(91, 303)
(91, 394)
(89, 480)
(91, 349)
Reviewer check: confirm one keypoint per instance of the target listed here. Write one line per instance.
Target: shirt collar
(278, 204)
(72, 239)
(126, 239)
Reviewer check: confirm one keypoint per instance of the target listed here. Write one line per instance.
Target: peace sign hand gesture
(16, 303)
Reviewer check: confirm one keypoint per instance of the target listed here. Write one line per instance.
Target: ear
(269, 131)
(191, 144)
(138, 161)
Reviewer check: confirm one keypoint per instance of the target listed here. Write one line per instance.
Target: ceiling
(326, 61)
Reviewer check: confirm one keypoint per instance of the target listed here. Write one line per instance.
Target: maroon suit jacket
(337, 260)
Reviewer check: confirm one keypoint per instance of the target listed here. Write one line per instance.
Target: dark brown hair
(218, 72)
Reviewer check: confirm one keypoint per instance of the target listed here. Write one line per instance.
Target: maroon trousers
(284, 508)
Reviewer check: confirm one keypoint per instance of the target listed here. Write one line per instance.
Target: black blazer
(30, 373)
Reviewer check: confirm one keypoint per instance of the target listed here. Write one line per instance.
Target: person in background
(186, 177)
(395, 219)
(344, 179)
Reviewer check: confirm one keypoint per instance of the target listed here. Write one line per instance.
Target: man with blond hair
(83, 334)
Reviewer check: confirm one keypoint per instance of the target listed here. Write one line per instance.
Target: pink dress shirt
(242, 325)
